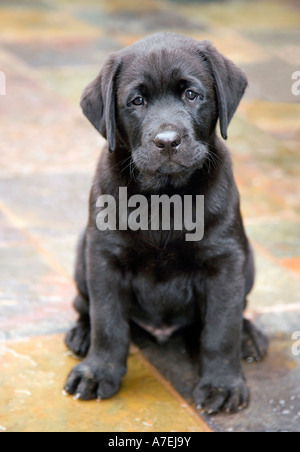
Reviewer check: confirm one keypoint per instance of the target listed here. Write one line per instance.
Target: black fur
(157, 278)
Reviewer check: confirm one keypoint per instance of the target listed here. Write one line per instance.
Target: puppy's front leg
(99, 374)
(222, 385)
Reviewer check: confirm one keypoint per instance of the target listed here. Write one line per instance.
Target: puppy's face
(161, 99)
(168, 112)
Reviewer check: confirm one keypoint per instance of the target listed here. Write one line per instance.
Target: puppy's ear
(98, 101)
(230, 83)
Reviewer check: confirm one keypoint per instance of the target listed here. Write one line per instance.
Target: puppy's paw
(254, 342)
(92, 379)
(78, 339)
(222, 398)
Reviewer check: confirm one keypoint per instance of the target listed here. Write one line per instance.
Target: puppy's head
(161, 99)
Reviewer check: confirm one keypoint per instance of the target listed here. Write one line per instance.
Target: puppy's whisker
(132, 169)
(209, 145)
(121, 163)
(215, 159)
(216, 156)
(127, 166)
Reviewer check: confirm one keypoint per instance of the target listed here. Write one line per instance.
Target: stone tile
(146, 18)
(43, 224)
(244, 15)
(32, 377)
(271, 80)
(280, 120)
(280, 238)
(61, 245)
(272, 39)
(64, 52)
(281, 43)
(132, 6)
(267, 170)
(126, 40)
(294, 4)
(292, 264)
(22, 24)
(26, 95)
(58, 202)
(233, 44)
(247, 141)
(279, 322)
(69, 83)
(266, 190)
(34, 297)
(49, 145)
(274, 382)
(9, 234)
(275, 285)
(29, 4)
(256, 197)
(41, 132)
(290, 54)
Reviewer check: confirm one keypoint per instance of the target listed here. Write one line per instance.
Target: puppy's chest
(162, 263)
(163, 281)
(163, 292)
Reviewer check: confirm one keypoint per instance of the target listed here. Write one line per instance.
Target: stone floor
(49, 50)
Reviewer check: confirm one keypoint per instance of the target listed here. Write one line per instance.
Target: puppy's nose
(168, 141)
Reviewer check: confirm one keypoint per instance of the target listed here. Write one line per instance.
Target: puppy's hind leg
(78, 338)
(254, 342)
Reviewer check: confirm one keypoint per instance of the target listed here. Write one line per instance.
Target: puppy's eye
(138, 101)
(191, 95)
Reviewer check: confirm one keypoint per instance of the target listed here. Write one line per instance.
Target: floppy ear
(230, 84)
(98, 101)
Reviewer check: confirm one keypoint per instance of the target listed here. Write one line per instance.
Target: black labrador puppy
(157, 103)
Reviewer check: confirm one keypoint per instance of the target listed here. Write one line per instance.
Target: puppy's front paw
(228, 398)
(92, 379)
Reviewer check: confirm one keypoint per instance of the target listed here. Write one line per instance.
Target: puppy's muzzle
(168, 142)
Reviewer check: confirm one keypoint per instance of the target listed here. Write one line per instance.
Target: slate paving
(49, 50)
